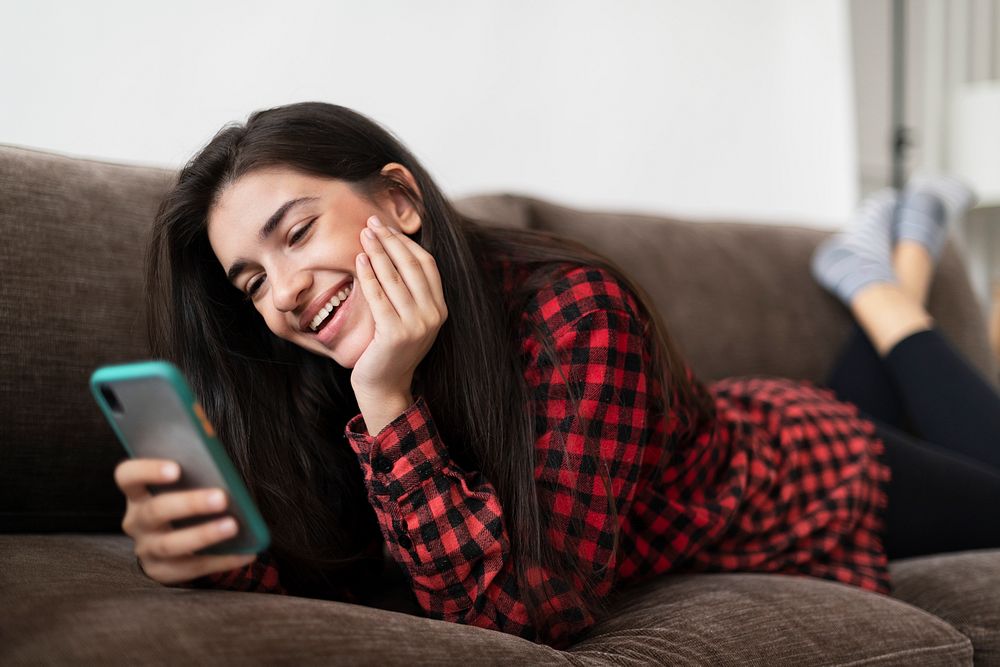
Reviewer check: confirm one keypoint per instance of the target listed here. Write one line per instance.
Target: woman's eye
(254, 286)
(299, 234)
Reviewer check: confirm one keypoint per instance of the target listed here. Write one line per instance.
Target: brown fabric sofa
(738, 298)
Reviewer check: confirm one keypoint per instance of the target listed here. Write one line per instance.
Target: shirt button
(405, 542)
(382, 464)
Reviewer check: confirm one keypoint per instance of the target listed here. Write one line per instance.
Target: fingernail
(226, 526)
(369, 233)
(170, 471)
(375, 221)
(216, 499)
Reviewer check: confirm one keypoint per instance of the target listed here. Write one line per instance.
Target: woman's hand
(165, 553)
(402, 286)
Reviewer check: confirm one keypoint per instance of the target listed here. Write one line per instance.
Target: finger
(134, 475)
(183, 542)
(381, 306)
(160, 510)
(390, 279)
(430, 269)
(413, 283)
(181, 570)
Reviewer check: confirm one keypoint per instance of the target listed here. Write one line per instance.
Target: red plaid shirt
(786, 480)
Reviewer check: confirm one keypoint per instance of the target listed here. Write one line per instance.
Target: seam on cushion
(928, 650)
(986, 630)
(588, 656)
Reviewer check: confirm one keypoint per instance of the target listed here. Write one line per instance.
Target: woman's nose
(287, 290)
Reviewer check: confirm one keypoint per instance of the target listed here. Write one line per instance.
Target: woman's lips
(307, 317)
(336, 321)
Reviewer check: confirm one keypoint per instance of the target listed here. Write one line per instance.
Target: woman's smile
(332, 321)
(324, 305)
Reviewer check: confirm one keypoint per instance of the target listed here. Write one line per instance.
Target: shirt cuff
(403, 455)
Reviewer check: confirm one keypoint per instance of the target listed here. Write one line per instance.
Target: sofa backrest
(73, 234)
(738, 299)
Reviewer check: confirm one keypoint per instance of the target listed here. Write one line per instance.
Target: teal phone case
(155, 414)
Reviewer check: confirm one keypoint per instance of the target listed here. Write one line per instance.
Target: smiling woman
(266, 228)
(502, 409)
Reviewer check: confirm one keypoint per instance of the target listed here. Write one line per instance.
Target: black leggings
(945, 489)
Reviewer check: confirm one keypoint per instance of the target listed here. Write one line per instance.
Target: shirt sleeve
(260, 576)
(445, 525)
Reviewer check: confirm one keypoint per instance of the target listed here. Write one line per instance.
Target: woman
(502, 410)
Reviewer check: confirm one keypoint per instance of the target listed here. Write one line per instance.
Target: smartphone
(155, 414)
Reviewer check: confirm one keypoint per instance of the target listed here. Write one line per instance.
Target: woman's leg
(884, 314)
(949, 403)
(916, 222)
(846, 264)
(943, 496)
(939, 500)
(860, 377)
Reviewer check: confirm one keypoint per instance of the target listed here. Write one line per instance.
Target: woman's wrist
(380, 410)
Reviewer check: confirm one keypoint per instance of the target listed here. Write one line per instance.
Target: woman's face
(308, 255)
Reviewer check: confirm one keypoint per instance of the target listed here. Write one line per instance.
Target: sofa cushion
(79, 598)
(758, 619)
(962, 588)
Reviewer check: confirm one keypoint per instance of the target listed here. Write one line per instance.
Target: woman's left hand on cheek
(402, 286)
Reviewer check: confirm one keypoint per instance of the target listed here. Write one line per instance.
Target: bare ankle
(888, 314)
(914, 268)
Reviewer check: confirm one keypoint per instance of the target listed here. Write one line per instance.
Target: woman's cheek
(277, 326)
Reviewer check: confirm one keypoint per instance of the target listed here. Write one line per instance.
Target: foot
(929, 206)
(861, 255)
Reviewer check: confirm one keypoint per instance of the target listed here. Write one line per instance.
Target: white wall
(704, 108)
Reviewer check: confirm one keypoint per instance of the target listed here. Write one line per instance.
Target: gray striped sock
(931, 204)
(921, 217)
(862, 254)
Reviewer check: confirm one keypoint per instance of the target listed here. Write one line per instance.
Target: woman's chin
(336, 355)
(346, 352)
(343, 364)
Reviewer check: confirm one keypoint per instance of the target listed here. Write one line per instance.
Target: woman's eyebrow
(266, 230)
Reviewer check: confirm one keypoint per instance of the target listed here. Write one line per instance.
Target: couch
(738, 299)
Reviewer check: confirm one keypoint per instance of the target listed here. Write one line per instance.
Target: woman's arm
(445, 525)
(260, 576)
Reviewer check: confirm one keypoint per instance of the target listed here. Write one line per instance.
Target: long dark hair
(281, 410)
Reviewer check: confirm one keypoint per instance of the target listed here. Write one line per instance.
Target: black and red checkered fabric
(787, 479)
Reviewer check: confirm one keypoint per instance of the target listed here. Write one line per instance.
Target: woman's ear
(403, 197)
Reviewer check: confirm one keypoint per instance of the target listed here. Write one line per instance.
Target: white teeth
(337, 299)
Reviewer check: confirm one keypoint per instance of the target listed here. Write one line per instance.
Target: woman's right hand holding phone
(167, 554)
